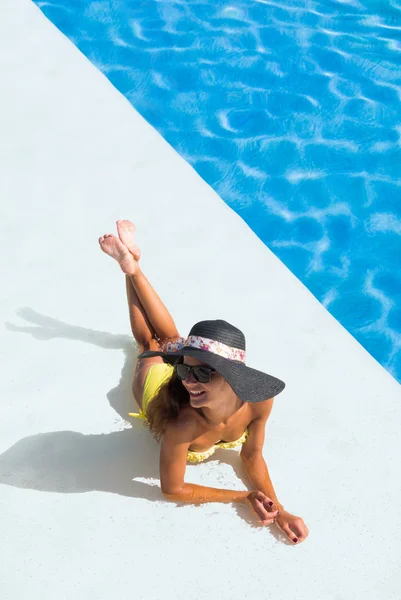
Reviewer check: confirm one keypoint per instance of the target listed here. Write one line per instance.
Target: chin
(197, 402)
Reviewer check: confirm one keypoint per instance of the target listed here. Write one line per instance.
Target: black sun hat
(222, 346)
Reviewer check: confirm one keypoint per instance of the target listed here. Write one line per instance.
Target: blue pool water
(291, 112)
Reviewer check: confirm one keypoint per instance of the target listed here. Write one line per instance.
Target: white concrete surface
(81, 514)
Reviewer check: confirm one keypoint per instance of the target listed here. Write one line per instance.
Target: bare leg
(159, 317)
(146, 335)
(149, 316)
(157, 314)
(141, 328)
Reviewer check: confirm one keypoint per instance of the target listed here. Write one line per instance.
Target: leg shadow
(45, 328)
(71, 462)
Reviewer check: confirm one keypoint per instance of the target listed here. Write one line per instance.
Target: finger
(270, 519)
(268, 522)
(261, 511)
(287, 531)
(299, 530)
(269, 505)
(264, 515)
(267, 502)
(264, 508)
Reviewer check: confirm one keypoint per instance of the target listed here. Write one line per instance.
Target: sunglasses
(201, 373)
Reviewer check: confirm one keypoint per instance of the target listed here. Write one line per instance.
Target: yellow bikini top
(195, 457)
(159, 374)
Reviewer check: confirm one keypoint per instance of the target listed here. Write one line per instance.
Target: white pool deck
(81, 513)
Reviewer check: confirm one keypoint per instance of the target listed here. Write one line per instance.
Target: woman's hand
(293, 527)
(262, 506)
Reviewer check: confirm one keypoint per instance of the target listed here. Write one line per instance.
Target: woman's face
(205, 394)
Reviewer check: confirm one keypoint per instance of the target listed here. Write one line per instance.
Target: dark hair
(166, 405)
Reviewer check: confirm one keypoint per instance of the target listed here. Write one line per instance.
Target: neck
(221, 414)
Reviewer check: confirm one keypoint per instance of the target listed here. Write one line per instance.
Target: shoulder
(261, 410)
(186, 426)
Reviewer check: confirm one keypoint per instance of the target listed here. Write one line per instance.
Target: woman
(196, 394)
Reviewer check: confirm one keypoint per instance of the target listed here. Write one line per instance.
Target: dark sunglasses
(201, 373)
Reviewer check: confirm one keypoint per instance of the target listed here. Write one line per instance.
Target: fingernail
(270, 503)
(295, 539)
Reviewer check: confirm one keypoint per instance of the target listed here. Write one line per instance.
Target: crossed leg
(151, 322)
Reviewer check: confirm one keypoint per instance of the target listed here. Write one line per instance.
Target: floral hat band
(221, 346)
(196, 341)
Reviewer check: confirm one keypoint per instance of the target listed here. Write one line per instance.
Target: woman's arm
(258, 475)
(292, 526)
(173, 457)
(252, 456)
(199, 494)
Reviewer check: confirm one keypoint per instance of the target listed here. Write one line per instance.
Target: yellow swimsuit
(158, 375)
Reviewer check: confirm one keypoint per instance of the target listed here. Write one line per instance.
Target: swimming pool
(291, 112)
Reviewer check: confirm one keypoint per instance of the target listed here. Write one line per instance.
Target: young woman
(197, 395)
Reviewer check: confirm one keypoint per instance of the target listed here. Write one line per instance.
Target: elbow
(172, 493)
(251, 457)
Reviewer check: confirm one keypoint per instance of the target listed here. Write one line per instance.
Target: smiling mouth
(196, 394)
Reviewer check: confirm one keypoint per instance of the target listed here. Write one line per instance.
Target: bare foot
(111, 245)
(126, 231)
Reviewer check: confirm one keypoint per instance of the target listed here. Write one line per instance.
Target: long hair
(166, 405)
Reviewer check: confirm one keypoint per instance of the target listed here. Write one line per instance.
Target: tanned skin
(218, 414)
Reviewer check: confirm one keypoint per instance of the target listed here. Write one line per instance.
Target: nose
(190, 379)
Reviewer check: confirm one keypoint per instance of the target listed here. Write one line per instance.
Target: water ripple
(291, 111)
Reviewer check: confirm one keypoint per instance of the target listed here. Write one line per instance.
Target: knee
(151, 344)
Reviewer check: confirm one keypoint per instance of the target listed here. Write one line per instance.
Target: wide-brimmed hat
(222, 346)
